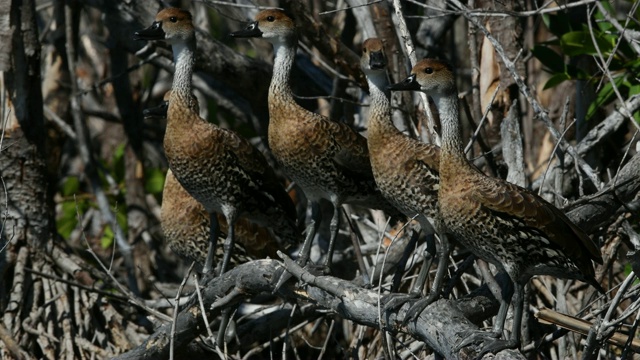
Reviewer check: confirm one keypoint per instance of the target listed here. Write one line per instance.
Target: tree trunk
(26, 210)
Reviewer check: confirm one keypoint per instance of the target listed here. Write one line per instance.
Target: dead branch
(441, 325)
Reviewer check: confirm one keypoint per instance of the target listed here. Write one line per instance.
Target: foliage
(601, 41)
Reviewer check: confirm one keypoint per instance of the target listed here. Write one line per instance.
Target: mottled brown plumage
(405, 169)
(327, 159)
(220, 169)
(502, 223)
(185, 224)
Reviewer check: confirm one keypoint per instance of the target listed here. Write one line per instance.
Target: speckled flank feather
(510, 225)
(222, 170)
(185, 224)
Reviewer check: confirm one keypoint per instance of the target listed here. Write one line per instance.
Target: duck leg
(491, 339)
(396, 300)
(443, 258)
(213, 240)
(222, 329)
(228, 242)
(334, 227)
(305, 250)
(312, 228)
(355, 241)
(496, 345)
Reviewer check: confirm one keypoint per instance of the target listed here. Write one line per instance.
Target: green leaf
(635, 90)
(577, 73)
(580, 43)
(117, 164)
(549, 58)
(68, 220)
(107, 238)
(603, 24)
(154, 182)
(556, 79)
(70, 186)
(603, 96)
(121, 218)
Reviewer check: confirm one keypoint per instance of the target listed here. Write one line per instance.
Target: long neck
(452, 146)
(280, 89)
(380, 112)
(184, 57)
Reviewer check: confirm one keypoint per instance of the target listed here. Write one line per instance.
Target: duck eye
(428, 70)
(270, 18)
(173, 19)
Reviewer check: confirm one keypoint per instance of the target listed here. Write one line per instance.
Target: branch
(594, 211)
(348, 300)
(440, 326)
(403, 32)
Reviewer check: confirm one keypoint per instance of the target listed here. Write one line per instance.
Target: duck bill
(409, 83)
(251, 30)
(377, 60)
(157, 111)
(153, 32)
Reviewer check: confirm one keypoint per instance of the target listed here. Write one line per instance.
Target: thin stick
(403, 32)
(175, 311)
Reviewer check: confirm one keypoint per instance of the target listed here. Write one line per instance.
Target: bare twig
(582, 326)
(175, 309)
(403, 32)
(544, 9)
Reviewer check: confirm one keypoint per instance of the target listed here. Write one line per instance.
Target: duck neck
(380, 112)
(184, 58)
(280, 89)
(452, 147)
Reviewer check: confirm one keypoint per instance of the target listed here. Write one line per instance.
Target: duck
(502, 223)
(185, 222)
(220, 169)
(405, 171)
(326, 159)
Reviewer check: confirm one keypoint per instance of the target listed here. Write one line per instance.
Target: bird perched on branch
(185, 222)
(405, 169)
(327, 159)
(219, 168)
(502, 223)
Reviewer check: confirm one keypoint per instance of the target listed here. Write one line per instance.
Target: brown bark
(26, 219)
